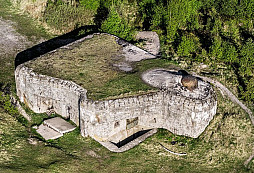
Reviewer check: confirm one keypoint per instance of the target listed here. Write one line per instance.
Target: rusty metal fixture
(190, 82)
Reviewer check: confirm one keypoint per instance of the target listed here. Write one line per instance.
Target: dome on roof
(190, 82)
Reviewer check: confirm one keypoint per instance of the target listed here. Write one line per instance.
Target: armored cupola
(188, 81)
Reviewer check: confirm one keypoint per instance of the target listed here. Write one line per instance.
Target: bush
(115, 25)
(90, 4)
(188, 45)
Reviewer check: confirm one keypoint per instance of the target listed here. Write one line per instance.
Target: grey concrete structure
(48, 133)
(59, 125)
(54, 128)
(116, 122)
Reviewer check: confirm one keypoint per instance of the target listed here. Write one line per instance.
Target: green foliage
(9, 107)
(90, 4)
(231, 30)
(116, 25)
(230, 54)
(247, 60)
(249, 93)
(5, 102)
(223, 51)
(246, 69)
(180, 13)
(188, 45)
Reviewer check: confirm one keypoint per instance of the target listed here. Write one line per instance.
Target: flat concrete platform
(48, 133)
(59, 125)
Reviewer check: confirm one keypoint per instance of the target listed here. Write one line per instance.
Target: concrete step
(59, 125)
(54, 128)
(48, 133)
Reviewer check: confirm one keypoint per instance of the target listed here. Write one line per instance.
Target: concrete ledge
(112, 147)
(59, 125)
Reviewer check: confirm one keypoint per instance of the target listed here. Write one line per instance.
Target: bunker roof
(103, 64)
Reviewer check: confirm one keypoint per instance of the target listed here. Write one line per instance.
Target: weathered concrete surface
(59, 125)
(171, 80)
(43, 93)
(133, 143)
(151, 40)
(133, 53)
(48, 133)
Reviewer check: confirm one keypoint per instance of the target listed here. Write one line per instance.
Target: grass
(90, 65)
(25, 26)
(64, 18)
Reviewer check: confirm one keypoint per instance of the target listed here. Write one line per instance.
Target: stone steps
(54, 128)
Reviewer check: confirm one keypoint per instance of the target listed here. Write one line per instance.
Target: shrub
(188, 45)
(115, 25)
(90, 4)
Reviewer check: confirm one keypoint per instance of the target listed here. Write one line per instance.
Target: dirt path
(11, 41)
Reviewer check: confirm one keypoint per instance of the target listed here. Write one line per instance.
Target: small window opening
(117, 124)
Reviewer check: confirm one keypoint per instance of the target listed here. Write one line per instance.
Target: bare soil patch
(11, 41)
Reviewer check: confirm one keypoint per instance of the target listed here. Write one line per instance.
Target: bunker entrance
(130, 138)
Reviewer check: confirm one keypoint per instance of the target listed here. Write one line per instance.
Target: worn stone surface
(164, 109)
(48, 133)
(43, 93)
(59, 125)
(151, 40)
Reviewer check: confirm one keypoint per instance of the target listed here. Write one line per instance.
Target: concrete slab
(59, 125)
(48, 133)
(152, 41)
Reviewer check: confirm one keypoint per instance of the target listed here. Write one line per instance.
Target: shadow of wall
(53, 44)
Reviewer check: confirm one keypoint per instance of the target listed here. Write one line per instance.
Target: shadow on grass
(54, 43)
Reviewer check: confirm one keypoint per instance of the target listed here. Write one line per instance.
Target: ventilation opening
(130, 138)
(117, 124)
(130, 123)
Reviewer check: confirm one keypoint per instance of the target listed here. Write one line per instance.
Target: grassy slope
(25, 26)
(224, 146)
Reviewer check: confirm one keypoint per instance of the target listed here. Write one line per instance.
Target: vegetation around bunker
(224, 146)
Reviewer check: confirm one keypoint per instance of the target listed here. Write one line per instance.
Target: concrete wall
(115, 120)
(43, 93)
(164, 109)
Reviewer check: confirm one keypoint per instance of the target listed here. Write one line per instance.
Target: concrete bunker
(118, 122)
